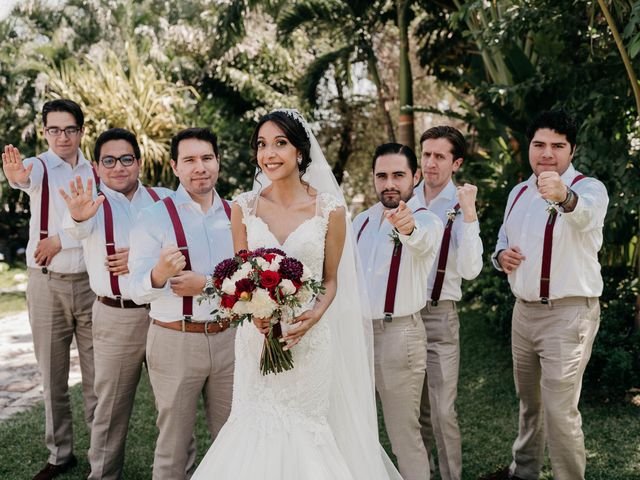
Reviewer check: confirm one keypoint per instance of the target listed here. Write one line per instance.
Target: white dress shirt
(70, 259)
(91, 233)
(209, 241)
(418, 251)
(577, 238)
(465, 247)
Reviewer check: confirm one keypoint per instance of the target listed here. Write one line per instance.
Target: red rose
(228, 301)
(244, 285)
(218, 283)
(269, 279)
(269, 257)
(243, 254)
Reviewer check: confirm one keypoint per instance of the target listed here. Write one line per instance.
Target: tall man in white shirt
(188, 354)
(557, 313)
(119, 325)
(459, 256)
(59, 297)
(397, 240)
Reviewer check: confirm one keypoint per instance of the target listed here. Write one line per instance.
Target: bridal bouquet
(264, 283)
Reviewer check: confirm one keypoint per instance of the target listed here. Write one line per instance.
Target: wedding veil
(352, 414)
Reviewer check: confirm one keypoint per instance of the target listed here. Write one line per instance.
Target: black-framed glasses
(68, 131)
(125, 160)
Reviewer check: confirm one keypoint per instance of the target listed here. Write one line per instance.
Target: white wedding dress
(278, 427)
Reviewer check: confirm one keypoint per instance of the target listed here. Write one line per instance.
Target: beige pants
(183, 366)
(438, 418)
(60, 307)
(119, 342)
(551, 345)
(400, 355)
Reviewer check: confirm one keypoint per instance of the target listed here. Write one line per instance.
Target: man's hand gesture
(401, 218)
(551, 187)
(80, 203)
(170, 263)
(13, 168)
(466, 195)
(510, 259)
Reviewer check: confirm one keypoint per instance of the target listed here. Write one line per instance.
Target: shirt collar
(55, 161)
(448, 193)
(182, 197)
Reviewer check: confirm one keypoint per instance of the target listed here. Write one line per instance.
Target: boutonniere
(395, 238)
(451, 214)
(551, 206)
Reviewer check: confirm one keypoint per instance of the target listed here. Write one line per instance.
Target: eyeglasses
(55, 131)
(125, 160)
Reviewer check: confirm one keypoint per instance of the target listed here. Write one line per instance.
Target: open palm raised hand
(13, 167)
(80, 203)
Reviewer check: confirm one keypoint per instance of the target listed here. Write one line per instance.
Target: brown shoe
(501, 474)
(51, 471)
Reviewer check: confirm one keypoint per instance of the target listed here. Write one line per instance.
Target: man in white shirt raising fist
(548, 246)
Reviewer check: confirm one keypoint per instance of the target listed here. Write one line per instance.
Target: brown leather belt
(122, 303)
(207, 328)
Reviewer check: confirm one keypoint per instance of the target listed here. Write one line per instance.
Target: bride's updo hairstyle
(293, 130)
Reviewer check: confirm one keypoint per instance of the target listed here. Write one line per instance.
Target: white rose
(261, 304)
(262, 263)
(304, 295)
(240, 308)
(228, 286)
(287, 286)
(275, 263)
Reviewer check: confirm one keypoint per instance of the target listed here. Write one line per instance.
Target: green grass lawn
(10, 278)
(487, 411)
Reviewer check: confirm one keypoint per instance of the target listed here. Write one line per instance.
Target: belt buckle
(388, 318)
(206, 328)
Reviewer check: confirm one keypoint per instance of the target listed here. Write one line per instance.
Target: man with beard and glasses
(175, 246)
(397, 240)
(103, 224)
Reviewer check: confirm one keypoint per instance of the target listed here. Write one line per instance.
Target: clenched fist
(551, 187)
(466, 195)
(401, 218)
(170, 263)
(510, 259)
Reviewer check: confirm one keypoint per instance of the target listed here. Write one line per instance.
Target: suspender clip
(388, 318)
(110, 244)
(544, 300)
(45, 270)
(434, 303)
(44, 232)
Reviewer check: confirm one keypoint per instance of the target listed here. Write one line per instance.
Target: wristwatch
(208, 285)
(567, 200)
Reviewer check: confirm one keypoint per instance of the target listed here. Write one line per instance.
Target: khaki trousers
(551, 345)
(60, 307)
(119, 342)
(183, 366)
(438, 417)
(400, 356)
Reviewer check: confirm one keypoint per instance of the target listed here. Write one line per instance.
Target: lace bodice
(306, 242)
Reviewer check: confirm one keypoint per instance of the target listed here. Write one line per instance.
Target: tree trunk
(382, 101)
(346, 143)
(406, 134)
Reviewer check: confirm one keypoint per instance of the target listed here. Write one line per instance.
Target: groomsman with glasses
(548, 247)
(103, 224)
(459, 256)
(397, 240)
(59, 297)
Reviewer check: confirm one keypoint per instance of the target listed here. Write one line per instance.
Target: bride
(318, 420)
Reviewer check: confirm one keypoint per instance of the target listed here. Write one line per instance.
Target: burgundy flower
(226, 268)
(269, 279)
(275, 251)
(228, 301)
(244, 285)
(291, 268)
(243, 254)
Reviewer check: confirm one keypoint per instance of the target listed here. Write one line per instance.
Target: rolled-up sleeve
(425, 236)
(591, 207)
(469, 251)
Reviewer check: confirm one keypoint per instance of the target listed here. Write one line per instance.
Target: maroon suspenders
(109, 235)
(181, 239)
(44, 203)
(394, 269)
(442, 259)
(547, 246)
(545, 272)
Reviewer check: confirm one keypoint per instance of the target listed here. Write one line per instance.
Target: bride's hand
(303, 323)
(262, 324)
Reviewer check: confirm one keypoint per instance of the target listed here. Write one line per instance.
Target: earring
(299, 159)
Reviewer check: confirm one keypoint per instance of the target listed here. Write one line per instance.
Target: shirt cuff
(494, 260)
(151, 289)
